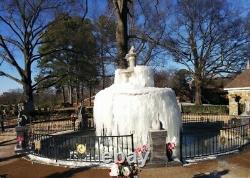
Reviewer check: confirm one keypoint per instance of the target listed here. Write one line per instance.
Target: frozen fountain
(133, 105)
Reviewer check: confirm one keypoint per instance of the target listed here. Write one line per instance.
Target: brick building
(239, 93)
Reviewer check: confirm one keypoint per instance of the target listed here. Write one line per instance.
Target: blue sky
(7, 84)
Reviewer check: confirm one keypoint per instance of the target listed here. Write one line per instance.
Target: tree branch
(10, 76)
(43, 79)
(12, 28)
(49, 85)
(86, 10)
(11, 57)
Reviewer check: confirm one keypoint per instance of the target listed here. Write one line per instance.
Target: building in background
(239, 93)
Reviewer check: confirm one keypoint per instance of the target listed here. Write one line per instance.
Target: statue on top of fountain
(136, 76)
(131, 58)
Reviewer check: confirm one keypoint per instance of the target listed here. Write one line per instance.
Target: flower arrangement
(170, 148)
(141, 149)
(123, 169)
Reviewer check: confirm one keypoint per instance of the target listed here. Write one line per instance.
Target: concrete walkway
(12, 166)
(233, 166)
(7, 145)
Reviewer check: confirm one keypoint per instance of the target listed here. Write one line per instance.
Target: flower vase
(170, 155)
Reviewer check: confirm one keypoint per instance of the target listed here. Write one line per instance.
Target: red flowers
(170, 146)
(141, 149)
(20, 138)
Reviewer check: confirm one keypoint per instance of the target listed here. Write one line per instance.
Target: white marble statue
(131, 56)
(156, 124)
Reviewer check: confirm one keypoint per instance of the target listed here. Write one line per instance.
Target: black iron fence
(54, 126)
(50, 127)
(85, 148)
(209, 118)
(213, 142)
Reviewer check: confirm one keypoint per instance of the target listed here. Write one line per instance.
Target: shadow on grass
(68, 173)
(213, 174)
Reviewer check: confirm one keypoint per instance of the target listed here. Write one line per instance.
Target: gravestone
(158, 147)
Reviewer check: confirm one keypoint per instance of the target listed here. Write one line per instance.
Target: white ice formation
(132, 105)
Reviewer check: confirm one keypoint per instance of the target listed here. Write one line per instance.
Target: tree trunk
(103, 76)
(63, 93)
(198, 84)
(77, 93)
(70, 91)
(82, 92)
(90, 94)
(29, 102)
(27, 87)
(121, 7)
(103, 68)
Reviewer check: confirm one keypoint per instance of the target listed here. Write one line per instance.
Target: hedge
(205, 109)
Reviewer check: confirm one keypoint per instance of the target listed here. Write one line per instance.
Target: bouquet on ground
(170, 147)
(123, 170)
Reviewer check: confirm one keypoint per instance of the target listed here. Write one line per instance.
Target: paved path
(233, 166)
(11, 166)
(7, 145)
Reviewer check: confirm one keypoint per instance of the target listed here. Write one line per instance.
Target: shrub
(205, 109)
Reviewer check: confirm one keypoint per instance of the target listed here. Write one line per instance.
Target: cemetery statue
(156, 124)
(131, 56)
(21, 129)
(82, 117)
(73, 117)
(21, 118)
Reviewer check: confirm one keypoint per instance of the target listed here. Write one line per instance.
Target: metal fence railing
(85, 148)
(213, 142)
(187, 118)
(50, 127)
(53, 126)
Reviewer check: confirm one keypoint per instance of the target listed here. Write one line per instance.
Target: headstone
(158, 147)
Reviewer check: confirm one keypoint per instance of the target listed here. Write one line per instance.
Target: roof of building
(240, 81)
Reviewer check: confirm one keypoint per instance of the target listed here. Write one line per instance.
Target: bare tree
(141, 23)
(147, 28)
(209, 38)
(23, 24)
(122, 10)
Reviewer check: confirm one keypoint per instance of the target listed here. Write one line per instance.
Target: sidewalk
(7, 145)
(231, 166)
(13, 166)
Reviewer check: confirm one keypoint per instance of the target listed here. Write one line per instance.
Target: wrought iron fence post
(132, 142)
(181, 134)
(55, 147)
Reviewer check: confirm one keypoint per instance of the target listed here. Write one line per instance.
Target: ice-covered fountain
(133, 105)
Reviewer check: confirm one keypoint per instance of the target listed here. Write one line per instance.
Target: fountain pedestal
(157, 140)
(133, 105)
